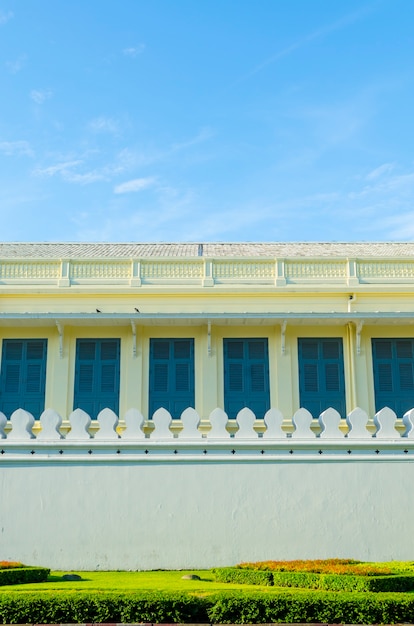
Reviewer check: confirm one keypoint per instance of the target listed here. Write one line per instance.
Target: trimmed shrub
(323, 566)
(343, 582)
(221, 608)
(72, 607)
(19, 575)
(308, 580)
(248, 608)
(9, 564)
(242, 576)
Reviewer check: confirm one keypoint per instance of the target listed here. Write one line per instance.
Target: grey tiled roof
(214, 250)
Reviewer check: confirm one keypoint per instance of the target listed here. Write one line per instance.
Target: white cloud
(319, 33)
(401, 226)
(17, 65)
(104, 124)
(134, 51)
(203, 135)
(380, 171)
(16, 148)
(75, 170)
(40, 95)
(59, 168)
(5, 17)
(67, 171)
(137, 184)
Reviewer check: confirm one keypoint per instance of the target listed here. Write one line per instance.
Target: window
(171, 375)
(97, 375)
(23, 376)
(321, 375)
(393, 361)
(246, 376)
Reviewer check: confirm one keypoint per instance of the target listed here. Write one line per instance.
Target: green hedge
(221, 608)
(343, 582)
(18, 575)
(97, 607)
(324, 607)
(308, 580)
(243, 576)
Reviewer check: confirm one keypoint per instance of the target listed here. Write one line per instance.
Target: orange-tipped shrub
(10, 564)
(322, 566)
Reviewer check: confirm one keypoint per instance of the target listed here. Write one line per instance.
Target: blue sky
(206, 120)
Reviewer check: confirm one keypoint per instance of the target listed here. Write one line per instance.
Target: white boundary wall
(113, 502)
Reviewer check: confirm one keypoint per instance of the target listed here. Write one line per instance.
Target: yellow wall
(209, 392)
(283, 368)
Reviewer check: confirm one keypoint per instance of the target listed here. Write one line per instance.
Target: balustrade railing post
(135, 280)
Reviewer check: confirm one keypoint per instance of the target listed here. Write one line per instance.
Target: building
(204, 325)
(175, 326)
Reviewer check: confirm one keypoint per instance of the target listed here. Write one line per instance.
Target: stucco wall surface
(184, 514)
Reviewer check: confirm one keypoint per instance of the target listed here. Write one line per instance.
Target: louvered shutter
(160, 377)
(321, 375)
(23, 376)
(246, 376)
(171, 375)
(97, 373)
(393, 365)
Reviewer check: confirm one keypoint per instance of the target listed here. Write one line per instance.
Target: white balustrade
(248, 270)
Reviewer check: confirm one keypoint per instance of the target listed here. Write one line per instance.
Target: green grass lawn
(164, 597)
(134, 581)
(164, 580)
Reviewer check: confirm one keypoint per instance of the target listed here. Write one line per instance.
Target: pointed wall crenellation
(22, 423)
(107, 421)
(50, 422)
(245, 420)
(3, 423)
(134, 423)
(302, 421)
(273, 421)
(408, 421)
(357, 422)
(190, 420)
(385, 421)
(330, 422)
(218, 421)
(79, 425)
(162, 422)
(383, 426)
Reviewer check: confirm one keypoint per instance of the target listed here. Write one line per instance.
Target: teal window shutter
(23, 376)
(97, 374)
(246, 376)
(393, 365)
(321, 375)
(171, 375)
